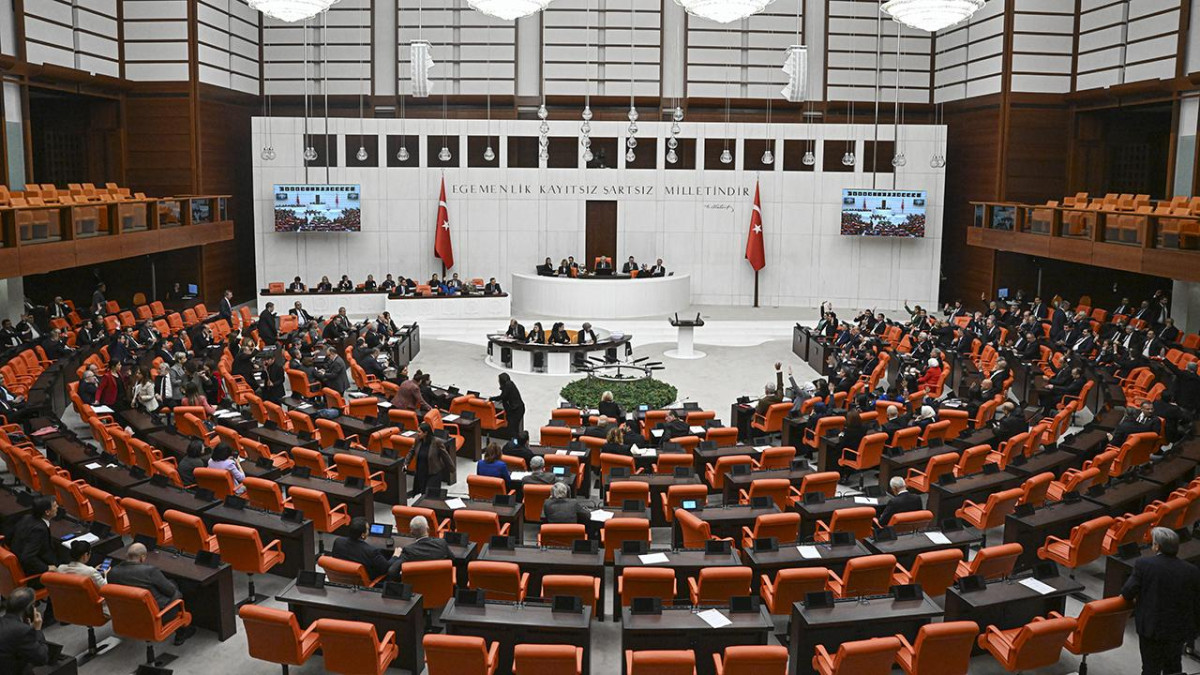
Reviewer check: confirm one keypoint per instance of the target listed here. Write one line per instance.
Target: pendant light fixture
(361, 155)
(723, 11)
(768, 157)
(810, 142)
(543, 112)
(489, 154)
(631, 139)
(849, 158)
(325, 86)
(931, 15)
(402, 154)
(290, 11)
(726, 156)
(310, 153)
(585, 129)
(444, 155)
(673, 141)
(898, 158)
(268, 150)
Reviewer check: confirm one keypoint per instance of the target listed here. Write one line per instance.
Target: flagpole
(756, 271)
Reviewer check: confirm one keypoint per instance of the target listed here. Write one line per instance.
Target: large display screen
(883, 213)
(317, 208)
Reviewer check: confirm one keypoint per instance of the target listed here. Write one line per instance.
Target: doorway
(601, 232)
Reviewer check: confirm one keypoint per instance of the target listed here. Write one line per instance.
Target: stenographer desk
(614, 296)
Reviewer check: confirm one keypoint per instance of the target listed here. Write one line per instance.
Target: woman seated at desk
(492, 465)
(325, 286)
(537, 334)
(345, 285)
(559, 335)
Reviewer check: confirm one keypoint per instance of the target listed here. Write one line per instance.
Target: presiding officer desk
(600, 297)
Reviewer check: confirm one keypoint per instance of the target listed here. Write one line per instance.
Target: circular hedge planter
(629, 395)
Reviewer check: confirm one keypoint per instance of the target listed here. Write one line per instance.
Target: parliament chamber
(705, 337)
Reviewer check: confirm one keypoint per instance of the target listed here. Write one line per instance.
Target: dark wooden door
(601, 232)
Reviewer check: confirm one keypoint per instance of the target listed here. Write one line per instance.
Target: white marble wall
(808, 261)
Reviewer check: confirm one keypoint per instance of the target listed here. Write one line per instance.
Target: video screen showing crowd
(1063, 348)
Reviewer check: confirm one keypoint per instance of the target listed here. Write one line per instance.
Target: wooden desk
(792, 433)
(680, 628)
(735, 484)
(394, 471)
(983, 436)
(585, 489)
(1171, 472)
(358, 501)
(111, 478)
(514, 515)
(1127, 496)
(1117, 570)
(851, 620)
(296, 539)
(405, 617)
(740, 416)
(658, 482)
(207, 592)
(140, 421)
(472, 435)
(171, 497)
(917, 458)
(279, 440)
(1055, 461)
(539, 562)
(460, 553)
(685, 562)
(906, 547)
(811, 513)
(512, 624)
(724, 521)
(66, 450)
(944, 500)
(1053, 519)
(63, 527)
(1086, 444)
(1007, 605)
(788, 556)
(707, 456)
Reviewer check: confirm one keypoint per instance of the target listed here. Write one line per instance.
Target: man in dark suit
(674, 427)
(1144, 420)
(515, 331)
(561, 509)
(225, 307)
(27, 329)
(492, 287)
(303, 318)
(59, 309)
(902, 500)
(585, 335)
(425, 547)
(546, 269)
(135, 571)
(1153, 347)
(268, 325)
(1058, 322)
(514, 405)
(1166, 595)
(333, 375)
(371, 366)
(600, 429)
(658, 269)
(629, 266)
(895, 422)
(354, 547)
(1186, 386)
(32, 542)
(22, 644)
(1010, 423)
(8, 335)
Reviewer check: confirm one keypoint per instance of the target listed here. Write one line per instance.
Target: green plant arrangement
(628, 395)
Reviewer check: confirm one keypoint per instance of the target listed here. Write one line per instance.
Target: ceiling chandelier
(290, 11)
(508, 10)
(931, 15)
(723, 11)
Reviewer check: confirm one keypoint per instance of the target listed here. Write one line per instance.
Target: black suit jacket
(1010, 425)
(225, 310)
(359, 551)
(147, 576)
(268, 328)
(34, 546)
(21, 647)
(901, 503)
(427, 548)
(564, 511)
(1166, 591)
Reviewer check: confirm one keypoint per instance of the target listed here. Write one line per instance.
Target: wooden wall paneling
(972, 155)
(158, 145)
(226, 167)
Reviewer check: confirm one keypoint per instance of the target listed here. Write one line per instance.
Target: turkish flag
(754, 239)
(442, 248)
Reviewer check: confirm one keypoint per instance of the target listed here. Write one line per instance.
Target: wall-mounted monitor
(317, 208)
(883, 213)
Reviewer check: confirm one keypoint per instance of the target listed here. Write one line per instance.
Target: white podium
(685, 338)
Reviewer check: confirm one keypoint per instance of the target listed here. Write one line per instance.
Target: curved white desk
(566, 298)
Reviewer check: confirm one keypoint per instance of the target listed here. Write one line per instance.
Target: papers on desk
(561, 451)
(393, 340)
(576, 453)
(383, 404)
(761, 448)
(714, 618)
(224, 414)
(872, 501)
(102, 409)
(86, 536)
(642, 452)
(518, 475)
(409, 433)
(455, 504)
(809, 552)
(91, 466)
(937, 537)
(697, 430)
(355, 394)
(657, 433)
(602, 516)
(450, 418)
(304, 407)
(1037, 586)
(653, 558)
(45, 431)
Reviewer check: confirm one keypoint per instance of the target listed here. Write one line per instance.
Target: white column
(386, 58)
(1185, 146)
(12, 298)
(529, 56)
(674, 50)
(814, 38)
(1185, 306)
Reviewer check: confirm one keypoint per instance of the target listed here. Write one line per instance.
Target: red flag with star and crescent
(754, 239)
(442, 247)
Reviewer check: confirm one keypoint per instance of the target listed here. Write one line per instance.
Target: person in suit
(559, 335)
(674, 427)
(136, 572)
(629, 266)
(518, 446)
(492, 287)
(22, 644)
(1165, 593)
(1153, 347)
(1058, 321)
(600, 429)
(225, 307)
(631, 436)
(572, 265)
(268, 325)
(585, 335)
(537, 472)
(425, 547)
(1144, 420)
(409, 397)
(561, 509)
(546, 269)
(895, 422)
(59, 309)
(31, 541)
(614, 443)
(609, 408)
(99, 304)
(1169, 333)
(657, 269)
(514, 406)
(8, 335)
(370, 284)
(902, 501)
(515, 331)
(537, 334)
(353, 546)
(1010, 423)
(27, 329)
(772, 393)
(563, 268)
(333, 375)
(296, 286)
(371, 366)
(1186, 387)
(324, 285)
(435, 462)
(344, 285)
(303, 318)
